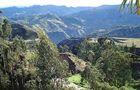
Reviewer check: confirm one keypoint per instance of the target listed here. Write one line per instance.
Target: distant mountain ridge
(57, 28)
(106, 17)
(44, 9)
(61, 22)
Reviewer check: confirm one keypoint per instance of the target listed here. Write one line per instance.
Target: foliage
(116, 66)
(112, 64)
(21, 67)
(88, 51)
(75, 79)
(5, 29)
(49, 65)
(126, 88)
(64, 49)
(15, 71)
(23, 31)
(134, 4)
(25, 69)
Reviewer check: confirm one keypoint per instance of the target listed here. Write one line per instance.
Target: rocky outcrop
(75, 64)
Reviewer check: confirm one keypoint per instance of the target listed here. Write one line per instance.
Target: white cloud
(5, 3)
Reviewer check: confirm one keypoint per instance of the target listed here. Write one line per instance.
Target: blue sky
(74, 3)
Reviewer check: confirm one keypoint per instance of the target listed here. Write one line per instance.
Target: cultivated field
(128, 41)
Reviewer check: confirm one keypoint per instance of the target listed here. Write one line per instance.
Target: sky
(74, 3)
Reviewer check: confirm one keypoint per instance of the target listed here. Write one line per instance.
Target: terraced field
(128, 41)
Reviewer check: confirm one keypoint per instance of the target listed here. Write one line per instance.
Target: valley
(48, 47)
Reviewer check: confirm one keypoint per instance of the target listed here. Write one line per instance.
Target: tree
(87, 51)
(117, 67)
(5, 29)
(95, 79)
(4, 54)
(14, 67)
(49, 65)
(64, 49)
(92, 75)
(133, 4)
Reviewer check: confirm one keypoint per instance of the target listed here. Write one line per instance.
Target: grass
(129, 41)
(123, 41)
(76, 79)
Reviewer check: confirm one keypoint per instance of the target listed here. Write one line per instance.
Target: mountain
(61, 22)
(58, 28)
(38, 10)
(125, 31)
(105, 17)
(21, 30)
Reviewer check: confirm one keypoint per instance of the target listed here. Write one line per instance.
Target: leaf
(134, 5)
(138, 11)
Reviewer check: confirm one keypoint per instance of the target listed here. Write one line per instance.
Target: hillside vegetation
(23, 31)
(29, 60)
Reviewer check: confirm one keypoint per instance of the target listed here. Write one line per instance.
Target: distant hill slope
(105, 17)
(57, 28)
(71, 43)
(125, 31)
(23, 31)
(61, 22)
(38, 10)
(119, 31)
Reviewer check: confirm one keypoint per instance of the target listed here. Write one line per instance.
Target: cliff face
(75, 64)
(72, 66)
